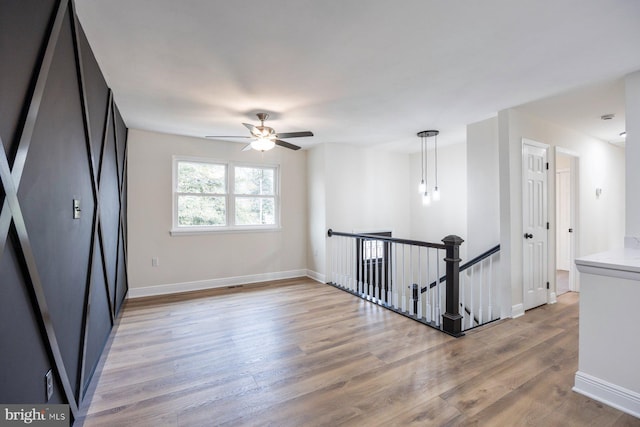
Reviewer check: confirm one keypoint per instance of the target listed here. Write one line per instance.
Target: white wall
(608, 350)
(632, 112)
(366, 189)
(354, 189)
(601, 165)
(448, 215)
(317, 201)
(189, 262)
(483, 186)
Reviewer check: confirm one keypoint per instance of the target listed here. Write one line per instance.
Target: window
(211, 195)
(254, 192)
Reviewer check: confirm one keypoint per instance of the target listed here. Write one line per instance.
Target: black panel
(121, 133)
(122, 278)
(48, 318)
(122, 145)
(97, 96)
(23, 359)
(19, 55)
(99, 324)
(56, 172)
(110, 208)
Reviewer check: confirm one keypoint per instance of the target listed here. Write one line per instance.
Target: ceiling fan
(266, 137)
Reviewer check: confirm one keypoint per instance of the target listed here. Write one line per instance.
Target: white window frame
(230, 198)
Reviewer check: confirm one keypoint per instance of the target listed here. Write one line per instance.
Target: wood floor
(300, 353)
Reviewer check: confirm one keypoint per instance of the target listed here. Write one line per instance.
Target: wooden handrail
(388, 239)
(464, 266)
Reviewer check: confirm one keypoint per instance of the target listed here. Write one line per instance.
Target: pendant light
(426, 197)
(423, 186)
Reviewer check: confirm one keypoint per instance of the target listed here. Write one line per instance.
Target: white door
(534, 223)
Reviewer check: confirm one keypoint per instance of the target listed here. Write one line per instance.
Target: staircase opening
(420, 280)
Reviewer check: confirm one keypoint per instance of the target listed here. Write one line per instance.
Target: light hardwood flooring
(300, 353)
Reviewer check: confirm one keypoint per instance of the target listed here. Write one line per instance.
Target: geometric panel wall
(62, 141)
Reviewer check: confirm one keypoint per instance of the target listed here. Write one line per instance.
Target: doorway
(566, 214)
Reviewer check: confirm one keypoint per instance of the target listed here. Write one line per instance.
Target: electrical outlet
(155, 262)
(48, 380)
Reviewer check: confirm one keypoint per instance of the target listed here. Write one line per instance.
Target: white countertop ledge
(623, 263)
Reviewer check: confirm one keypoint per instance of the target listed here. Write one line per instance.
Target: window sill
(222, 230)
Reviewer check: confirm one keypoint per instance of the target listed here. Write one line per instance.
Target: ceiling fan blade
(247, 147)
(227, 136)
(294, 134)
(254, 130)
(286, 144)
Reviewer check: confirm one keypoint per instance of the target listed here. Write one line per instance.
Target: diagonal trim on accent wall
(26, 133)
(105, 135)
(11, 199)
(34, 276)
(121, 195)
(96, 203)
(11, 206)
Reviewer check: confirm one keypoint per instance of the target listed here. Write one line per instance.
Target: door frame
(547, 264)
(575, 214)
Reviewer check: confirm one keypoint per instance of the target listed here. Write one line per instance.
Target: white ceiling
(370, 72)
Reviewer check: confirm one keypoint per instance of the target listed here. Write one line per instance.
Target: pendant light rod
(422, 159)
(435, 156)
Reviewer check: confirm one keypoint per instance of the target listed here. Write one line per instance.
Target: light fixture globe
(263, 144)
(435, 195)
(426, 199)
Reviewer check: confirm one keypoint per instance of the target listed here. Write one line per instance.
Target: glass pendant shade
(426, 199)
(436, 194)
(422, 187)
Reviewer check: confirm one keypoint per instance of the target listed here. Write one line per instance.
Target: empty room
(300, 213)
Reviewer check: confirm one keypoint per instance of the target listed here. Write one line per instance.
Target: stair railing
(478, 289)
(388, 271)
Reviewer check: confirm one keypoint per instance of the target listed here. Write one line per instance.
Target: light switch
(76, 209)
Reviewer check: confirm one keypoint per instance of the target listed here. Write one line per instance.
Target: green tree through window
(255, 196)
(201, 189)
(203, 198)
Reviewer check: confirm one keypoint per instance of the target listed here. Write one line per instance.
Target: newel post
(451, 319)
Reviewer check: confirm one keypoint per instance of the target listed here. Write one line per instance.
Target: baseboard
(517, 311)
(173, 288)
(610, 394)
(318, 277)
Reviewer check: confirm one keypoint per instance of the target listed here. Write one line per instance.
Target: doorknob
(528, 236)
(571, 230)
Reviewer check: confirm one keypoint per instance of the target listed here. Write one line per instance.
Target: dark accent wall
(62, 280)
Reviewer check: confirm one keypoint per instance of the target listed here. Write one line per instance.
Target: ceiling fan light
(263, 144)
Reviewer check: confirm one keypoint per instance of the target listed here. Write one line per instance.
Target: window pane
(201, 210)
(256, 181)
(255, 211)
(195, 177)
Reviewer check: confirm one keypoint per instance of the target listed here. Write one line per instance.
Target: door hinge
(547, 225)
(547, 165)
(547, 285)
